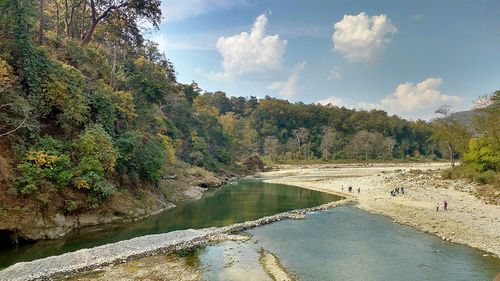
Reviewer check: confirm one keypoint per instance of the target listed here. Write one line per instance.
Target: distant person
(342, 188)
(402, 190)
(437, 207)
(350, 188)
(445, 205)
(359, 190)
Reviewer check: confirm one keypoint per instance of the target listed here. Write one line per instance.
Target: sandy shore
(468, 221)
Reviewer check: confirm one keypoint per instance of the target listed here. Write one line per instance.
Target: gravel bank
(273, 267)
(468, 221)
(140, 247)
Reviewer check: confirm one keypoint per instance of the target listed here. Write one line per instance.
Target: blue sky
(405, 57)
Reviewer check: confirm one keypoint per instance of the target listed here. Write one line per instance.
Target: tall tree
(131, 10)
(450, 133)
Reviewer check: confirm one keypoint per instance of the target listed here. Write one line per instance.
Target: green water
(246, 200)
(346, 243)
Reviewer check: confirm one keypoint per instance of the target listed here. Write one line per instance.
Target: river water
(232, 203)
(346, 243)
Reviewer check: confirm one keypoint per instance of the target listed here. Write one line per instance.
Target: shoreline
(469, 221)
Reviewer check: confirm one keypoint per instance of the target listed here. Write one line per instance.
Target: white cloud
(334, 74)
(183, 9)
(414, 100)
(333, 100)
(192, 43)
(289, 88)
(251, 52)
(362, 38)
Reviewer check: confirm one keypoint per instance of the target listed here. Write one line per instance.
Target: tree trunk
(58, 19)
(41, 21)
(88, 35)
(452, 155)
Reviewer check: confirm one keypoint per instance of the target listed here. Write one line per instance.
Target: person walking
(437, 207)
(359, 190)
(445, 205)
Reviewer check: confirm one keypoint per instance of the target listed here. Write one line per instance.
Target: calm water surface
(246, 200)
(347, 244)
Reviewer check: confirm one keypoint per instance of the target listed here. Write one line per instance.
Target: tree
(331, 143)
(303, 138)
(131, 10)
(272, 147)
(451, 134)
(14, 110)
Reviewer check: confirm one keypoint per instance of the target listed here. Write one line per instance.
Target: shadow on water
(246, 200)
(346, 243)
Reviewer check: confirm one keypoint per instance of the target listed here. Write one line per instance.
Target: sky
(405, 57)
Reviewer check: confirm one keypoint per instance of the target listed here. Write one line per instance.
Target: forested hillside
(89, 109)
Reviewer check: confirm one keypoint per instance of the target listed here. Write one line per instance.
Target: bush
(45, 164)
(90, 176)
(150, 158)
(487, 177)
(95, 142)
(70, 206)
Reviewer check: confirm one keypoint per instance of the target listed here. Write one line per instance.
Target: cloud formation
(289, 88)
(333, 100)
(180, 10)
(251, 52)
(414, 100)
(362, 38)
(334, 74)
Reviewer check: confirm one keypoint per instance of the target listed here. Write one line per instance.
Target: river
(346, 243)
(232, 203)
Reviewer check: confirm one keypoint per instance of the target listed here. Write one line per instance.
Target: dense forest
(89, 106)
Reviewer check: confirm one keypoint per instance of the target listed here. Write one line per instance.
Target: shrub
(90, 176)
(95, 142)
(45, 164)
(487, 177)
(70, 206)
(150, 158)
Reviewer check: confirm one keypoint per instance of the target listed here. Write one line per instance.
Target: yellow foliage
(202, 105)
(41, 158)
(228, 122)
(81, 184)
(169, 147)
(6, 78)
(124, 103)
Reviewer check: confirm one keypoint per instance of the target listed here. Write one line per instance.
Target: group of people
(350, 189)
(445, 206)
(397, 190)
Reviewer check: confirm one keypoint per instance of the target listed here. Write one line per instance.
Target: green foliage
(95, 142)
(150, 158)
(44, 165)
(70, 206)
(487, 177)
(483, 155)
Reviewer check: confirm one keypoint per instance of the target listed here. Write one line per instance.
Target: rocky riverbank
(140, 247)
(469, 219)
